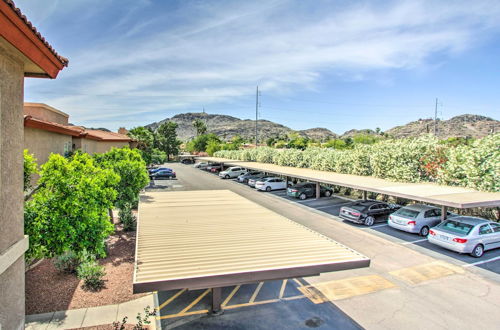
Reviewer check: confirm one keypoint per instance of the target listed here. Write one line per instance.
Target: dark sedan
(367, 212)
(307, 189)
(157, 169)
(162, 174)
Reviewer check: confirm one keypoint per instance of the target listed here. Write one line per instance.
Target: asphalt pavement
(408, 281)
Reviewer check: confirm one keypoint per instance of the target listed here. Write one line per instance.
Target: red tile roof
(64, 61)
(106, 136)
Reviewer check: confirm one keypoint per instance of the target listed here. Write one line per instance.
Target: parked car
(162, 174)
(154, 170)
(232, 172)
(367, 212)
(307, 189)
(245, 176)
(465, 234)
(201, 166)
(187, 161)
(416, 218)
(252, 180)
(272, 183)
(214, 167)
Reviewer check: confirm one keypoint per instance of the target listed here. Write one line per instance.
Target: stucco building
(23, 53)
(47, 130)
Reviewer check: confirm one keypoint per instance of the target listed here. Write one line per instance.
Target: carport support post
(287, 179)
(444, 210)
(216, 301)
(364, 195)
(318, 190)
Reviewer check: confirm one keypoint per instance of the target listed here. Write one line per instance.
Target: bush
(91, 273)
(67, 262)
(29, 169)
(128, 220)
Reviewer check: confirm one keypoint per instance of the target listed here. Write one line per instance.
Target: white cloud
(208, 53)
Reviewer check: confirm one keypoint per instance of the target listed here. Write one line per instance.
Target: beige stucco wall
(45, 112)
(93, 146)
(11, 185)
(42, 143)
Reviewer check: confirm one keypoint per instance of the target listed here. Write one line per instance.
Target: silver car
(253, 181)
(466, 235)
(416, 218)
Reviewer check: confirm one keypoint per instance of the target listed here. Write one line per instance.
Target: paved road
(410, 283)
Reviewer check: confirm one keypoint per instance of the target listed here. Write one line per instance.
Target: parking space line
(377, 226)
(169, 300)
(294, 297)
(256, 292)
(418, 240)
(252, 304)
(298, 282)
(195, 301)
(230, 295)
(170, 316)
(481, 262)
(282, 290)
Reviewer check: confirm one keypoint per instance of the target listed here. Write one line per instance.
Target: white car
(416, 218)
(232, 172)
(201, 165)
(272, 183)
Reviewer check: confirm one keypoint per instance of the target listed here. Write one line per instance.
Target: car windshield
(358, 207)
(456, 227)
(407, 213)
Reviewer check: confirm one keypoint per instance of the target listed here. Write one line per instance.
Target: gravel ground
(48, 290)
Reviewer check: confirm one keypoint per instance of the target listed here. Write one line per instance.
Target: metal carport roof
(458, 197)
(216, 238)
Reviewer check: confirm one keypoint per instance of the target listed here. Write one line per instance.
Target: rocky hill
(460, 126)
(228, 126)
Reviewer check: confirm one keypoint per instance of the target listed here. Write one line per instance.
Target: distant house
(47, 130)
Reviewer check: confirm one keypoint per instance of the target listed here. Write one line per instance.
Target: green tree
(200, 126)
(167, 138)
(213, 146)
(336, 144)
(70, 210)
(30, 168)
(200, 143)
(131, 169)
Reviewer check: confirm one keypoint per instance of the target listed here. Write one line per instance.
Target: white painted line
(325, 207)
(382, 225)
(177, 186)
(481, 262)
(418, 240)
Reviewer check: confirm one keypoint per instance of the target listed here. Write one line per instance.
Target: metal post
(365, 195)
(318, 190)
(444, 211)
(216, 301)
(286, 181)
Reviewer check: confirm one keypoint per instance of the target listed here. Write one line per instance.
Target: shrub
(128, 220)
(30, 168)
(91, 273)
(70, 210)
(67, 262)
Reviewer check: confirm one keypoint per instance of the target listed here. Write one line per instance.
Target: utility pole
(435, 117)
(256, 115)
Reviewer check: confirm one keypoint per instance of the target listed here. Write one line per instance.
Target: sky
(333, 64)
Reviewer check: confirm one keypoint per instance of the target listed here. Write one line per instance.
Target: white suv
(232, 172)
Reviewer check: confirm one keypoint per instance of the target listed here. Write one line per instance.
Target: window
(456, 227)
(485, 229)
(375, 207)
(496, 227)
(430, 214)
(406, 213)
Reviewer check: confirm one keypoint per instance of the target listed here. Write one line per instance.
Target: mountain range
(228, 126)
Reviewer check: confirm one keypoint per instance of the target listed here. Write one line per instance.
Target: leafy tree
(157, 156)
(143, 136)
(30, 168)
(213, 146)
(270, 141)
(200, 143)
(200, 126)
(167, 138)
(365, 139)
(131, 169)
(70, 210)
(336, 144)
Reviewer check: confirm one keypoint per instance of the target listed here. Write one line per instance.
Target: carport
(216, 238)
(444, 196)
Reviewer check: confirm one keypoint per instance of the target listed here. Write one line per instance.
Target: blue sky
(333, 64)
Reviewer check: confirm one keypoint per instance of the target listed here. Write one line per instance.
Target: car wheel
(424, 231)
(226, 176)
(268, 189)
(369, 221)
(478, 251)
(328, 193)
(302, 196)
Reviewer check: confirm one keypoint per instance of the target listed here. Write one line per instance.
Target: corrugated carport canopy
(458, 197)
(216, 238)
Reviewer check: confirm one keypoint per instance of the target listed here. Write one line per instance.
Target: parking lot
(397, 259)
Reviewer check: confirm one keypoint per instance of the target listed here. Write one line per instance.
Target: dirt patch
(48, 290)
